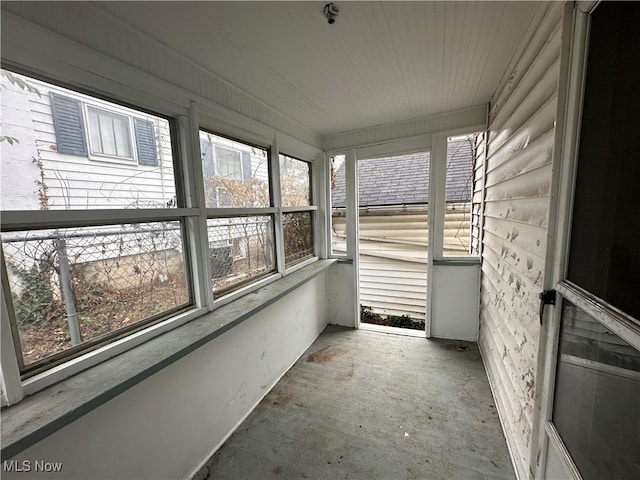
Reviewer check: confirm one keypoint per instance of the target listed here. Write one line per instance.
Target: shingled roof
(404, 179)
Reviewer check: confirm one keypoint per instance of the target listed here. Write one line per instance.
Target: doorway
(398, 255)
(393, 206)
(591, 419)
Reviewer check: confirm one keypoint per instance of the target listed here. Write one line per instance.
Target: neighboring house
(393, 224)
(75, 152)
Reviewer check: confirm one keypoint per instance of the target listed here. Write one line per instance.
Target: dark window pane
(241, 250)
(111, 277)
(298, 237)
(597, 398)
(605, 252)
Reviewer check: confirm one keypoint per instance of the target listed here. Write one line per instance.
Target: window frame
(218, 160)
(185, 124)
(94, 155)
(18, 381)
(312, 208)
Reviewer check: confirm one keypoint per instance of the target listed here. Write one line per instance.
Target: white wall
(342, 303)
(454, 308)
(165, 426)
(518, 180)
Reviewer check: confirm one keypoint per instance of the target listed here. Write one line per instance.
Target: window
(75, 281)
(71, 288)
(297, 220)
(109, 133)
(95, 248)
(110, 128)
(242, 246)
(338, 206)
(228, 163)
(458, 195)
(236, 175)
(295, 182)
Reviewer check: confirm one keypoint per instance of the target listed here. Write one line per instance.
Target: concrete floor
(367, 405)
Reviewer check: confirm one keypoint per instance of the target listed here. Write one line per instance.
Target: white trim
(416, 144)
(298, 266)
(435, 216)
(618, 322)
(245, 289)
(318, 197)
(105, 157)
(16, 220)
(94, 357)
(558, 445)
(277, 202)
(306, 208)
(459, 120)
(585, 363)
(9, 371)
(569, 106)
(329, 207)
(239, 212)
(193, 193)
(353, 226)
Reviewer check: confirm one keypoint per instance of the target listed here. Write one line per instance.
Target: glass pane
(241, 250)
(238, 169)
(47, 164)
(295, 182)
(338, 211)
(104, 278)
(458, 193)
(597, 398)
(298, 237)
(604, 254)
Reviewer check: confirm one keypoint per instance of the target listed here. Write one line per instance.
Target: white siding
(518, 176)
(393, 255)
(77, 182)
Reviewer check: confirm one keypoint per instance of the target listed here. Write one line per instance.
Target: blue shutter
(145, 142)
(68, 125)
(246, 166)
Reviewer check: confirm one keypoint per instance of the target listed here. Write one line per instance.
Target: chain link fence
(241, 249)
(72, 285)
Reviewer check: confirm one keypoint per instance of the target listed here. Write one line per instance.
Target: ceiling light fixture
(331, 12)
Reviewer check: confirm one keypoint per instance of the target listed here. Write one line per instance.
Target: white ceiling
(380, 62)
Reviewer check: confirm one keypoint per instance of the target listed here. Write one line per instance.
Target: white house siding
(518, 176)
(81, 182)
(18, 178)
(393, 255)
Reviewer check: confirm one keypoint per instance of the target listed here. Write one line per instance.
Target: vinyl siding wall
(393, 255)
(517, 181)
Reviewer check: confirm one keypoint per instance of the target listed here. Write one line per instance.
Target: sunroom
(185, 232)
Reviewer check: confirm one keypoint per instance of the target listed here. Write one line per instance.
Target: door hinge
(547, 297)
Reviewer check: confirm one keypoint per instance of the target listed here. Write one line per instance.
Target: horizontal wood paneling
(518, 179)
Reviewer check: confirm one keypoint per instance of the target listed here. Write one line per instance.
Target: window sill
(43, 413)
